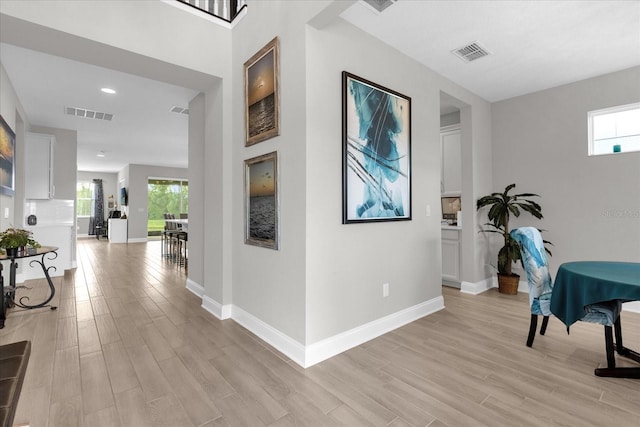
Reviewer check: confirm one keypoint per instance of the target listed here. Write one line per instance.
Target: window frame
(90, 183)
(591, 115)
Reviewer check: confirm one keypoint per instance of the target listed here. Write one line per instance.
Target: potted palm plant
(501, 207)
(12, 240)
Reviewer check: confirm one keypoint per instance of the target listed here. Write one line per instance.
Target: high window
(614, 130)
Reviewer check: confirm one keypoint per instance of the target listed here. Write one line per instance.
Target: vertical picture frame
(262, 214)
(376, 152)
(262, 94)
(7, 159)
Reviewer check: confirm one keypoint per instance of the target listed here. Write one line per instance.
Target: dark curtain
(97, 208)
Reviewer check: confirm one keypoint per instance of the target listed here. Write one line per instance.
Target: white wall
(591, 204)
(347, 264)
(270, 284)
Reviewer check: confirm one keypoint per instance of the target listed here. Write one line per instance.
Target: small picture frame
(262, 99)
(7, 159)
(261, 201)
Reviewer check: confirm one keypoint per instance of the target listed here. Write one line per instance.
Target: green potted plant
(501, 207)
(14, 239)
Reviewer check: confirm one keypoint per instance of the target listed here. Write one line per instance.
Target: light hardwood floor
(130, 346)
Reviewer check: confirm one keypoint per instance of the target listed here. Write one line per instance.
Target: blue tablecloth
(579, 284)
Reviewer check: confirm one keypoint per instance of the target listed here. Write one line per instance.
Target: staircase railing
(226, 10)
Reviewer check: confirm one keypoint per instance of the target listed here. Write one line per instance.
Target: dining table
(182, 223)
(582, 283)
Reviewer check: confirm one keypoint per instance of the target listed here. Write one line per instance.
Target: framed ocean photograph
(262, 100)
(7, 159)
(376, 152)
(261, 201)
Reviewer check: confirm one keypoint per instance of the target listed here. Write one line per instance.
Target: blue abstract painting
(376, 152)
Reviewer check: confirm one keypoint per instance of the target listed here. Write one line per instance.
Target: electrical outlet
(428, 210)
(385, 290)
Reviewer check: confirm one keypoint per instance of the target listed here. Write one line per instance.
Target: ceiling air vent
(471, 52)
(179, 110)
(380, 5)
(88, 114)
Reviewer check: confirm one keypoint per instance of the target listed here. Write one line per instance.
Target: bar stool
(170, 237)
(182, 239)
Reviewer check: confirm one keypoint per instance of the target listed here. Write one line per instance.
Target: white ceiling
(535, 45)
(142, 131)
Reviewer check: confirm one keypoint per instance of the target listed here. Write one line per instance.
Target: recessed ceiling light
(100, 154)
(108, 90)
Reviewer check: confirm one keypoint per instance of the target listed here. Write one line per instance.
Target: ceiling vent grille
(380, 5)
(179, 110)
(87, 114)
(471, 52)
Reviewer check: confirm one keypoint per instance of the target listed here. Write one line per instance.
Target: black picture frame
(376, 152)
(7, 159)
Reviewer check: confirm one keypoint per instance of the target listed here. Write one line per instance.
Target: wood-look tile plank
(33, 407)
(137, 313)
(153, 382)
(67, 308)
(116, 307)
(121, 373)
(133, 409)
(150, 307)
(235, 412)
(262, 405)
(107, 329)
(128, 332)
(66, 375)
(88, 340)
(211, 381)
(107, 417)
(96, 388)
(100, 306)
(158, 346)
(192, 397)
(167, 411)
(67, 413)
(84, 310)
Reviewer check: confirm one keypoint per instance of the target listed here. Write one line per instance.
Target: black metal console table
(8, 294)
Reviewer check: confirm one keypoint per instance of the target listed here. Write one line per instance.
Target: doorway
(165, 195)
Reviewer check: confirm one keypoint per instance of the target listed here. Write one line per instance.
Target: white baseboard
(488, 283)
(281, 342)
(478, 287)
(222, 312)
(344, 341)
(138, 240)
(195, 288)
(632, 306)
(327, 348)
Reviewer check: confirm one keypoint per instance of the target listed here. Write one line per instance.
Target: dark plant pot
(508, 284)
(11, 252)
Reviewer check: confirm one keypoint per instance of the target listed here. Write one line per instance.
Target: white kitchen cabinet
(117, 230)
(451, 256)
(38, 153)
(451, 147)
